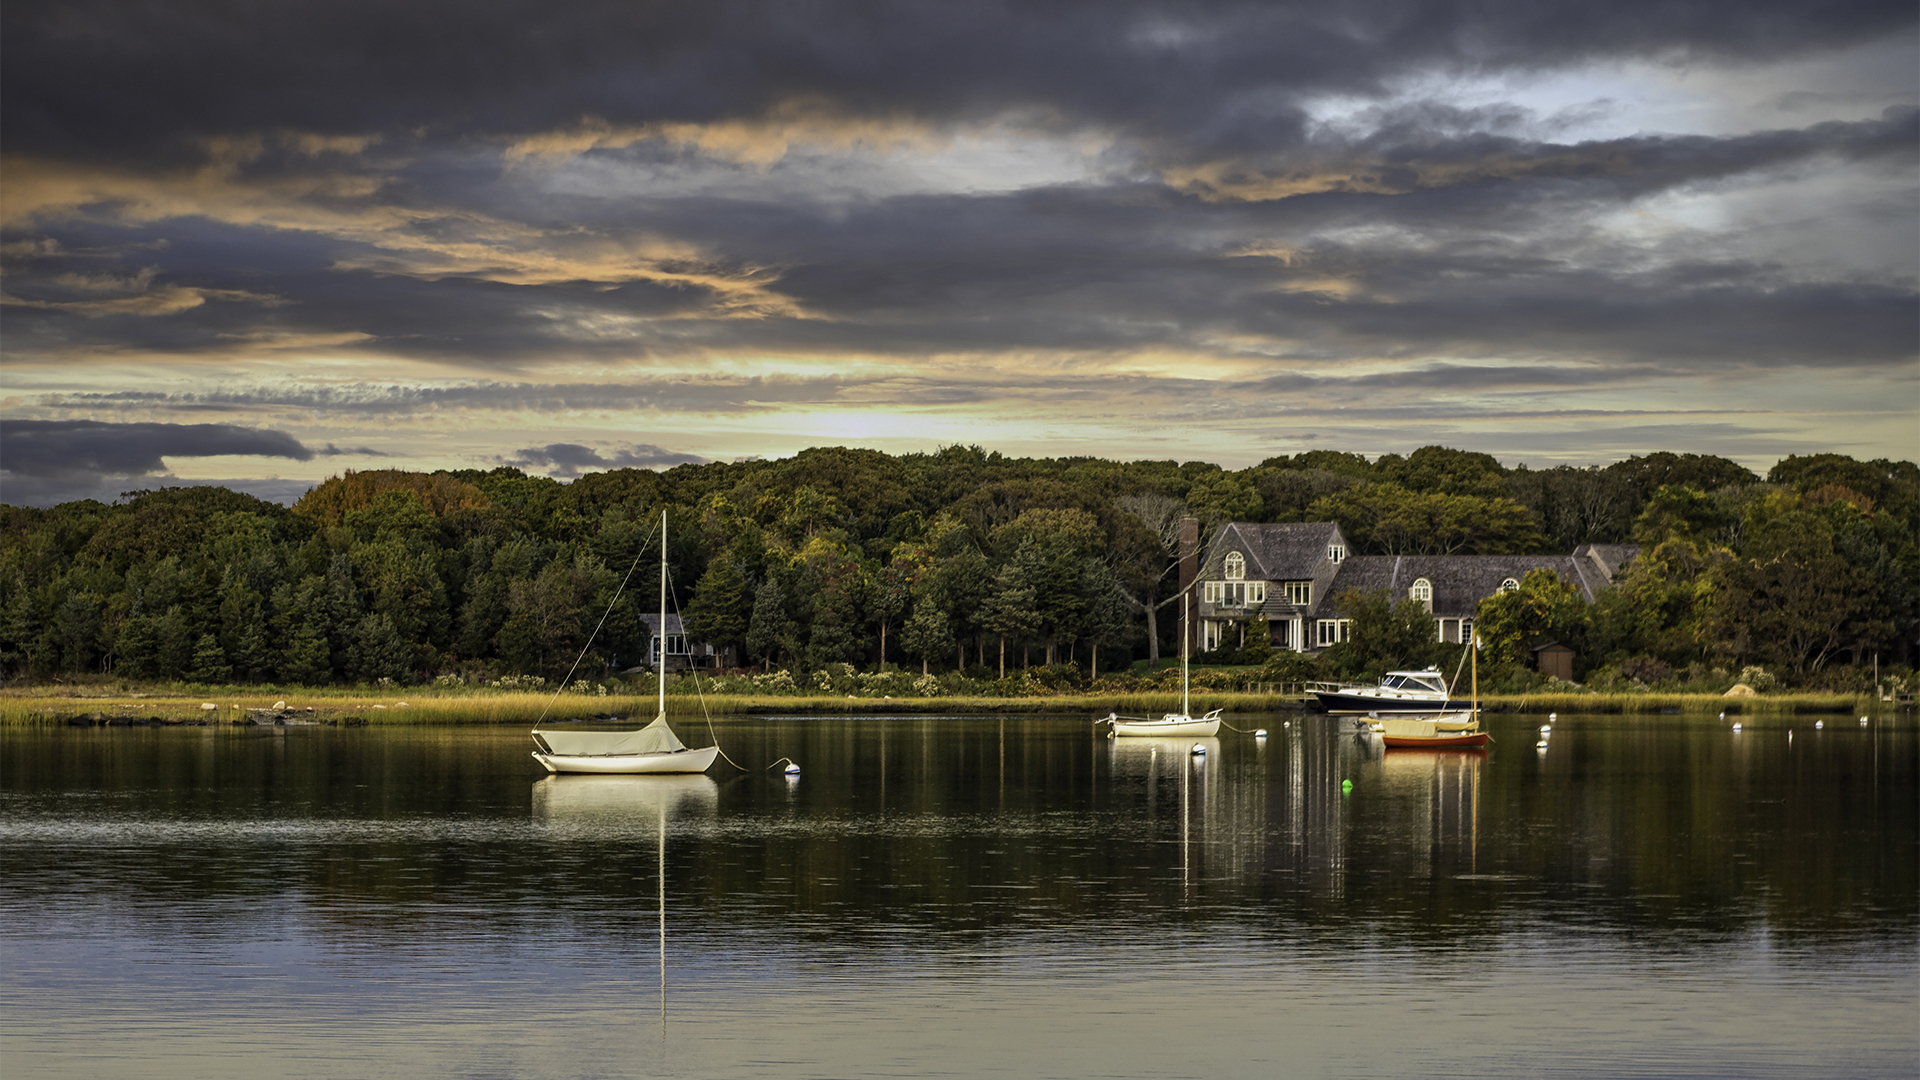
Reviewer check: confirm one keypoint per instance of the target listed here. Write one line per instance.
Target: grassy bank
(55, 705)
(423, 705)
(1686, 704)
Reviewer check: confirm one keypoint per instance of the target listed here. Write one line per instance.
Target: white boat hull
(1169, 727)
(678, 761)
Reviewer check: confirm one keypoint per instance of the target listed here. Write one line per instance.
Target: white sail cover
(655, 738)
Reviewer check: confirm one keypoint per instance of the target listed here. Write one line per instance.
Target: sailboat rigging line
(1230, 727)
(691, 670)
(617, 593)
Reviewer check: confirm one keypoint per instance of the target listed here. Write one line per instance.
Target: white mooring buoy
(1199, 750)
(1262, 733)
(792, 769)
(1546, 729)
(1863, 721)
(1819, 724)
(1736, 725)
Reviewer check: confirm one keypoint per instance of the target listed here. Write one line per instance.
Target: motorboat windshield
(1430, 681)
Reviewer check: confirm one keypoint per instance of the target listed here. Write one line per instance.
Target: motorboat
(1398, 692)
(1436, 730)
(651, 749)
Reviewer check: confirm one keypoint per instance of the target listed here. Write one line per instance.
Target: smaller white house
(681, 653)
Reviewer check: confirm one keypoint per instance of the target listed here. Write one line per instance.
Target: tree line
(955, 560)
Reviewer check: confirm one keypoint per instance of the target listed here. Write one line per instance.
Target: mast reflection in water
(606, 808)
(1650, 896)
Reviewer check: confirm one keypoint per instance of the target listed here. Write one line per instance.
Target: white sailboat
(1182, 724)
(651, 749)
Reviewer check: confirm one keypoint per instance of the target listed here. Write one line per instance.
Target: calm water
(965, 896)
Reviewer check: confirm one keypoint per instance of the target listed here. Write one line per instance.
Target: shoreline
(102, 706)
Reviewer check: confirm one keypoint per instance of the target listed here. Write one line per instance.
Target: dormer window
(1235, 566)
(1336, 552)
(1422, 591)
(1509, 585)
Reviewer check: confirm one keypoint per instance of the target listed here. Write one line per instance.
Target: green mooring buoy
(1346, 786)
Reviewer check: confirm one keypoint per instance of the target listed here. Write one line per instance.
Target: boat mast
(1476, 676)
(1186, 646)
(660, 673)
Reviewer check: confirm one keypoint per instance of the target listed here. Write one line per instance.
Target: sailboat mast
(1186, 646)
(660, 674)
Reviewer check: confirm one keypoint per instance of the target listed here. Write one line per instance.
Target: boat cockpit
(1414, 681)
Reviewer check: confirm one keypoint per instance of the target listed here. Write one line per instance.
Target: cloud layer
(390, 226)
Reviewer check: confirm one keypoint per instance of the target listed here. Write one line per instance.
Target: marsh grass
(433, 705)
(1681, 703)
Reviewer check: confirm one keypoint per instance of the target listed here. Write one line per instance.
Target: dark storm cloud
(111, 77)
(66, 448)
(1227, 218)
(1078, 268)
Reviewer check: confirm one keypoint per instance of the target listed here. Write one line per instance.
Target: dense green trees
(1791, 576)
(956, 558)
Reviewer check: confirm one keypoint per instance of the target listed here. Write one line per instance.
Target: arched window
(1422, 590)
(1509, 585)
(1235, 566)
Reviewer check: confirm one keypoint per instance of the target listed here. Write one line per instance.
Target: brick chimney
(1189, 570)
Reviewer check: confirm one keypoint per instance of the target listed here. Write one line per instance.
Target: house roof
(1610, 558)
(653, 624)
(1287, 551)
(1294, 551)
(1459, 581)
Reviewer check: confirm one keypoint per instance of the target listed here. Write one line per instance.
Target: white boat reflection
(616, 807)
(1152, 759)
(1142, 757)
(622, 803)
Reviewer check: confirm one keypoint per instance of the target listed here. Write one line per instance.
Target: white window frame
(1209, 635)
(1210, 591)
(1509, 585)
(1299, 593)
(1256, 593)
(1421, 590)
(1336, 552)
(1333, 631)
(1234, 566)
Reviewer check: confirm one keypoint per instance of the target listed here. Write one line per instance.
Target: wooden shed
(1554, 658)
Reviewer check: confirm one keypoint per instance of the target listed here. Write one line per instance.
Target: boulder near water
(1741, 690)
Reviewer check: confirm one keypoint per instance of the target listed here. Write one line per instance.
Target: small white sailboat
(1182, 724)
(651, 749)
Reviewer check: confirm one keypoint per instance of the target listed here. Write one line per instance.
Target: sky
(260, 244)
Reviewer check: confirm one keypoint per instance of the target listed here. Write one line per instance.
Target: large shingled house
(1293, 575)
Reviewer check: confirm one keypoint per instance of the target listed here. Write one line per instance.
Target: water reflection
(1164, 770)
(607, 807)
(1434, 796)
(961, 876)
(612, 807)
